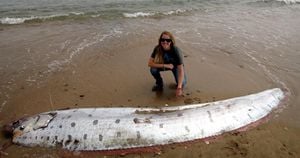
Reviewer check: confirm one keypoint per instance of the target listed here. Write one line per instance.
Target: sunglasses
(167, 40)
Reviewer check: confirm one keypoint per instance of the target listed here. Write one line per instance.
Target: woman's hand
(179, 92)
(169, 66)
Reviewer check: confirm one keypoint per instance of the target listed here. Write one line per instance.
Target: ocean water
(15, 12)
(18, 11)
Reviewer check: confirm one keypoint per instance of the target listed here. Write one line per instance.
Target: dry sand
(123, 79)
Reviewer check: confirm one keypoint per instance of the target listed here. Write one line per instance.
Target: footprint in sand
(234, 148)
(188, 101)
(195, 100)
(285, 149)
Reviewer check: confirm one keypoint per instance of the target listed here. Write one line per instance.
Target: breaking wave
(20, 20)
(151, 14)
(289, 1)
(81, 15)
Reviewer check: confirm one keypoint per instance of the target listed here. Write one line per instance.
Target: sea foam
(289, 1)
(138, 14)
(149, 14)
(10, 20)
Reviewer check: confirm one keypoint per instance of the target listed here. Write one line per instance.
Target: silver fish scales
(88, 129)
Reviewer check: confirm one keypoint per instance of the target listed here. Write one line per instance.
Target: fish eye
(22, 127)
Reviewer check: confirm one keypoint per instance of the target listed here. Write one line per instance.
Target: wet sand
(96, 78)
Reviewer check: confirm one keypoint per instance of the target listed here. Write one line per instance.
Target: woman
(166, 56)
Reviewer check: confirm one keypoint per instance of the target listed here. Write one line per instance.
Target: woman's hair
(159, 50)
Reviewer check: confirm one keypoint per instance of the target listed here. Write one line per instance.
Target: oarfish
(87, 129)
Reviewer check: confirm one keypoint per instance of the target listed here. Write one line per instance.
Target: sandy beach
(115, 74)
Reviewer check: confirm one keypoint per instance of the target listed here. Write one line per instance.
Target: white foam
(177, 11)
(289, 1)
(77, 13)
(138, 14)
(2, 105)
(9, 20)
(57, 65)
(272, 76)
(148, 14)
(96, 16)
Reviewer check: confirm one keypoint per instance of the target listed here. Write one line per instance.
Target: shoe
(156, 88)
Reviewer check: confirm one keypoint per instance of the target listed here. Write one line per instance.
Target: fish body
(89, 129)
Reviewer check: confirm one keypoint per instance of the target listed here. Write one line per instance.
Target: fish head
(28, 124)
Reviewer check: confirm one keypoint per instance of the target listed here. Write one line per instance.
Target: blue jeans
(159, 81)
